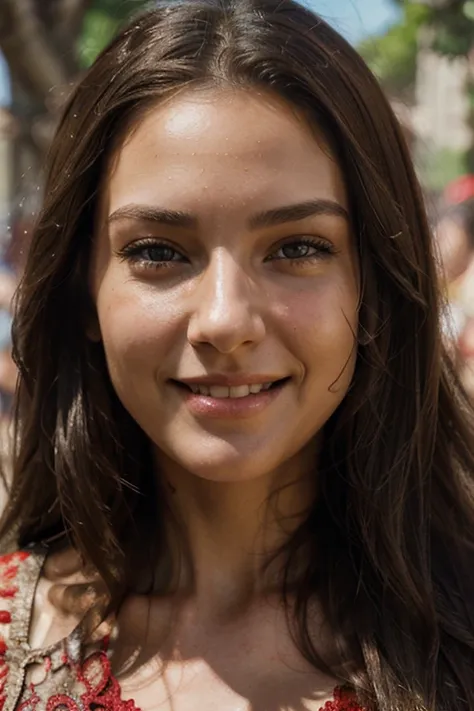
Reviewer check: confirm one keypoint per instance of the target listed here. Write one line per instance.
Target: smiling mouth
(231, 391)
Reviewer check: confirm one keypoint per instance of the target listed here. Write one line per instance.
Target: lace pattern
(63, 682)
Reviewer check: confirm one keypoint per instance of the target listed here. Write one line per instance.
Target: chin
(220, 464)
(228, 474)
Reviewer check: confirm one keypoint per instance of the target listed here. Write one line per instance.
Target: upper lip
(231, 380)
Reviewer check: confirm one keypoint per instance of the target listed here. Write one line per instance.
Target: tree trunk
(38, 40)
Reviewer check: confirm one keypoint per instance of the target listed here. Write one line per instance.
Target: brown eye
(303, 249)
(159, 253)
(151, 253)
(296, 250)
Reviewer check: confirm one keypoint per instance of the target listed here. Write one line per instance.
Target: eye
(159, 253)
(303, 249)
(296, 250)
(151, 253)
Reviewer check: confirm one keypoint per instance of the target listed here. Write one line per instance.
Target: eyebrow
(150, 213)
(298, 211)
(267, 218)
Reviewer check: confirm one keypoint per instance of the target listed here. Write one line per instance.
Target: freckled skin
(225, 156)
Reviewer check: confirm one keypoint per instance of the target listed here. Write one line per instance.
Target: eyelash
(133, 252)
(323, 250)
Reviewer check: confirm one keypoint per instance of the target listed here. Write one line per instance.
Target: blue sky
(355, 19)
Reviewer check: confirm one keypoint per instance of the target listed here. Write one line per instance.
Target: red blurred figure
(459, 190)
(455, 238)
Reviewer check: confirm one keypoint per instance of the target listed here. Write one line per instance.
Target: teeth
(236, 391)
(240, 391)
(218, 391)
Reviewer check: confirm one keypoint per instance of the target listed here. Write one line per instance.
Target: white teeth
(240, 391)
(223, 391)
(218, 391)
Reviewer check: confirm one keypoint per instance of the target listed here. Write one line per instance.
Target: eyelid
(310, 240)
(304, 237)
(136, 245)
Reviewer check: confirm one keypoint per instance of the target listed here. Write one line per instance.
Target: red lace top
(66, 682)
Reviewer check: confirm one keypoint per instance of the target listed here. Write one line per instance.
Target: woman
(455, 239)
(243, 469)
(455, 243)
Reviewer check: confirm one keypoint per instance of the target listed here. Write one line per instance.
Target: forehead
(223, 145)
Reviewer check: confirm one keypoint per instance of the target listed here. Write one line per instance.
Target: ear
(91, 319)
(93, 331)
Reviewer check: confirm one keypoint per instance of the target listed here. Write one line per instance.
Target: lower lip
(230, 407)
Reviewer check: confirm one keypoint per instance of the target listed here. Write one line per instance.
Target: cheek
(323, 325)
(137, 328)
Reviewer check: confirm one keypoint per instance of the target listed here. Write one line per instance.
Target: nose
(227, 311)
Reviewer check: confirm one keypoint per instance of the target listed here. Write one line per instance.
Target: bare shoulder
(47, 595)
(66, 591)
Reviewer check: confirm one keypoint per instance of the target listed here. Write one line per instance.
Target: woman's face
(226, 285)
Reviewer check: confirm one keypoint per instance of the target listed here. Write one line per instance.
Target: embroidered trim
(344, 700)
(10, 565)
(94, 687)
(86, 685)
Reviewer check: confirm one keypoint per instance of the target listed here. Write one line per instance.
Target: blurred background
(422, 52)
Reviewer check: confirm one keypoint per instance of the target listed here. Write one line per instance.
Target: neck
(231, 530)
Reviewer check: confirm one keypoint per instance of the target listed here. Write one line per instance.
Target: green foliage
(469, 10)
(454, 25)
(101, 22)
(392, 56)
(119, 9)
(438, 168)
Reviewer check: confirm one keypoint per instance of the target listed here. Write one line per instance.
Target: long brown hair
(395, 513)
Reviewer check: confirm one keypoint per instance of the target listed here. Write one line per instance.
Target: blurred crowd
(454, 235)
(8, 284)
